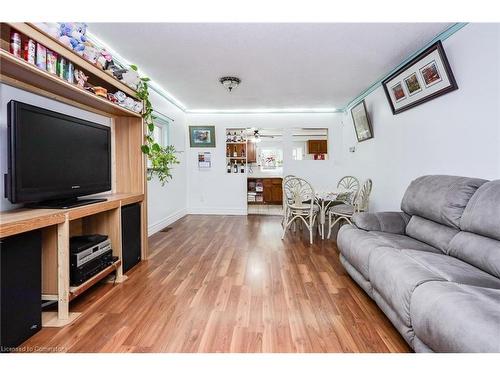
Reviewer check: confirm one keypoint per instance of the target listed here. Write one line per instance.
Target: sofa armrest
(390, 222)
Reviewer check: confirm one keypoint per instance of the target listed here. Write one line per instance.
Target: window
(160, 132)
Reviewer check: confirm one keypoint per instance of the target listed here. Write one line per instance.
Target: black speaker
(131, 235)
(20, 288)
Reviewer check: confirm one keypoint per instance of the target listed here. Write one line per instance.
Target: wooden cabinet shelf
(32, 31)
(19, 73)
(26, 219)
(75, 291)
(128, 165)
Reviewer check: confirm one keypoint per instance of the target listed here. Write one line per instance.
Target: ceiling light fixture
(230, 83)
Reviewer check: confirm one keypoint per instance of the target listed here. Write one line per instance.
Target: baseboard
(217, 211)
(156, 227)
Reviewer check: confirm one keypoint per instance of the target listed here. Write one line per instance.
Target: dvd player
(88, 256)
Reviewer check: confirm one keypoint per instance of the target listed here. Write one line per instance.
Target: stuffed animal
(131, 79)
(90, 52)
(104, 60)
(81, 78)
(138, 106)
(120, 97)
(73, 35)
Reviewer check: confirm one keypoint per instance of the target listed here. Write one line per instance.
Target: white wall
(457, 133)
(216, 192)
(8, 93)
(168, 203)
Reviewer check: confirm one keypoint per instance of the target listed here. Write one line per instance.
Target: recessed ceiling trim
(124, 61)
(173, 100)
(263, 110)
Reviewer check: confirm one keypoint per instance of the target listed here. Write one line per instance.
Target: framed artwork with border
(362, 124)
(202, 136)
(424, 78)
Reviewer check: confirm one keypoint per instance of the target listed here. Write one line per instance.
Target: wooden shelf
(236, 143)
(19, 73)
(75, 291)
(26, 219)
(55, 45)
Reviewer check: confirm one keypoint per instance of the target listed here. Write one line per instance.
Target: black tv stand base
(66, 203)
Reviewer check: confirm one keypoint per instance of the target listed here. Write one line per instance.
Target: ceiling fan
(257, 137)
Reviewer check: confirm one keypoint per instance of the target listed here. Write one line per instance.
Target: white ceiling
(281, 65)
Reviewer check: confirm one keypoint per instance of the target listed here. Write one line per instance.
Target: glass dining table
(325, 199)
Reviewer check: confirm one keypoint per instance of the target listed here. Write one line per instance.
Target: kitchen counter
(272, 173)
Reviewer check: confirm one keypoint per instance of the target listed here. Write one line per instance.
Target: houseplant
(162, 158)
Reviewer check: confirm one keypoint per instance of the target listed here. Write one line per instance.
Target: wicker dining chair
(300, 201)
(284, 205)
(350, 188)
(346, 211)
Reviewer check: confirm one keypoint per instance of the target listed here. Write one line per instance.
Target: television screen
(55, 156)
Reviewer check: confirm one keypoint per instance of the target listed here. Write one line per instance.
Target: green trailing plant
(162, 158)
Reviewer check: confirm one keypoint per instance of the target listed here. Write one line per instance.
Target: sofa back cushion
(440, 198)
(482, 214)
(430, 232)
(482, 252)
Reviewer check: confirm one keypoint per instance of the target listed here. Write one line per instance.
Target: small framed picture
(361, 121)
(412, 84)
(425, 77)
(202, 136)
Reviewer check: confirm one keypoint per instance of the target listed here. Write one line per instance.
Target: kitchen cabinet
(319, 146)
(251, 152)
(272, 191)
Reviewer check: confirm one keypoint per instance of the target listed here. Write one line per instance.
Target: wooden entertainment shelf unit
(128, 173)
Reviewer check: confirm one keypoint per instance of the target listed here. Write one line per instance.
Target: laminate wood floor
(228, 284)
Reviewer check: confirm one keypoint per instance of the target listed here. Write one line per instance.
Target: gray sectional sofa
(434, 268)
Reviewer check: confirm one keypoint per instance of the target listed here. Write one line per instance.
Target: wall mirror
(310, 144)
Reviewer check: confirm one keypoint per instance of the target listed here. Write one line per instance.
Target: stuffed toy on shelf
(73, 35)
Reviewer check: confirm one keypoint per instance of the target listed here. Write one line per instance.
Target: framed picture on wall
(361, 121)
(424, 78)
(202, 136)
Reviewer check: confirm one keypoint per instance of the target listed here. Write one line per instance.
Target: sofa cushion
(448, 317)
(482, 214)
(356, 245)
(482, 252)
(453, 269)
(395, 274)
(430, 232)
(400, 241)
(390, 222)
(440, 198)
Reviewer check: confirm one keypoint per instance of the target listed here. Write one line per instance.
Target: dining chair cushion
(342, 209)
(303, 207)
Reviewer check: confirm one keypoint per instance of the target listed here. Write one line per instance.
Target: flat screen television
(55, 158)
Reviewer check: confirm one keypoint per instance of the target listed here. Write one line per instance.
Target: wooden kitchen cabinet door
(251, 152)
(277, 194)
(319, 146)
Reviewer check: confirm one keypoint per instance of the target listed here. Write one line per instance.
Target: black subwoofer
(20, 288)
(131, 236)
